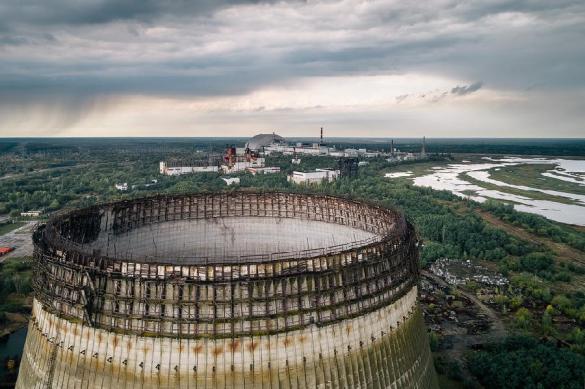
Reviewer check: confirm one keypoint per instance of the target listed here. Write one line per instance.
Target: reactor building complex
(227, 290)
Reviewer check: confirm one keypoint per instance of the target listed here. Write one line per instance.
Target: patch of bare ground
(14, 321)
(460, 342)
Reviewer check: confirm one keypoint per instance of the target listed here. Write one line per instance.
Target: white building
(231, 180)
(123, 186)
(351, 152)
(263, 170)
(274, 143)
(179, 170)
(296, 161)
(315, 177)
(31, 213)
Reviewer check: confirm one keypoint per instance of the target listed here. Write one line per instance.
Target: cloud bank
(367, 68)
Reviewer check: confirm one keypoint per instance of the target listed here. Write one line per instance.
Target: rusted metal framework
(222, 296)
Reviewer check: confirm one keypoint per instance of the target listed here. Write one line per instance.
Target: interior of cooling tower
(232, 228)
(236, 289)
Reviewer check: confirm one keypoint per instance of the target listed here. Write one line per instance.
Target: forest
(524, 362)
(50, 177)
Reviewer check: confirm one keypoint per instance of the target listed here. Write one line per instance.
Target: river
(11, 348)
(452, 178)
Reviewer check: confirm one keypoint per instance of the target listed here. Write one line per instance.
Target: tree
(523, 318)
(547, 324)
(524, 362)
(434, 340)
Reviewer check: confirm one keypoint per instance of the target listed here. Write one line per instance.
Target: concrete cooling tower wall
(231, 290)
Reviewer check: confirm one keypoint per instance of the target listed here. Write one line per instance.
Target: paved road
(20, 239)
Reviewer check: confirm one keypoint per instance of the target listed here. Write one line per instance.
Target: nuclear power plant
(227, 290)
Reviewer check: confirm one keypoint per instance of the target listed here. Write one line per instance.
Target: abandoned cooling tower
(238, 290)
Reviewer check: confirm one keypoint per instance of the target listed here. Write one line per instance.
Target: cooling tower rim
(47, 240)
(225, 300)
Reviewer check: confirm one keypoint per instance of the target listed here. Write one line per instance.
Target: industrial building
(272, 143)
(257, 142)
(315, 177)
(348, 167)
(267, 144)
(238, 160)
(227, 290)
(176, 170)
(251, 157)
(263, 170)
(234, 160)
(31, 213)
(396, 155)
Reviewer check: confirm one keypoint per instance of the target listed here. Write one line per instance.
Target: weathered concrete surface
(340, 311)
(383, 349)
(228, 236)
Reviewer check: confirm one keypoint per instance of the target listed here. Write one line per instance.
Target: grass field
(531, 175)
(7, 227)
(535, 195)
(526, 175)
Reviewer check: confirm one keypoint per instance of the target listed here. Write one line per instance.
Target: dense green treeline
(573, 147)
(536, 224)
(15, 285)
(523, 362)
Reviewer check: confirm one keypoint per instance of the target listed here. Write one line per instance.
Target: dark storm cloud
(466, 89)
(75, 12)
(237, 73)
(411, 38)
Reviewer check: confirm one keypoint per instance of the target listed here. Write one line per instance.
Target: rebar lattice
(202, 295)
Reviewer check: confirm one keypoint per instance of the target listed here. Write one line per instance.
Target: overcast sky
(235, 68)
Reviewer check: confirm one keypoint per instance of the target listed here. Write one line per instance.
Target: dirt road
(462, 343)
